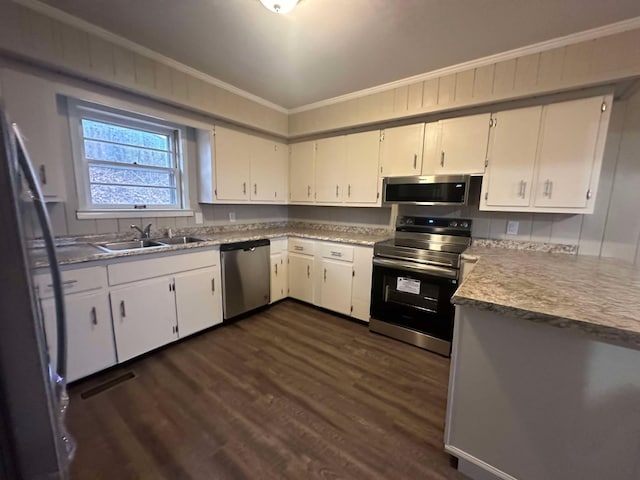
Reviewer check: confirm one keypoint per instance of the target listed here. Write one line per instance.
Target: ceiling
(326, 48)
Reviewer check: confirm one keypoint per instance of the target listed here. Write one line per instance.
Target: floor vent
(107, 385)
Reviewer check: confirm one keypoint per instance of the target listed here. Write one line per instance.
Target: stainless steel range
(414, 276)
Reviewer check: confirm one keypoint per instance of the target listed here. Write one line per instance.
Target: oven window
(411, 292)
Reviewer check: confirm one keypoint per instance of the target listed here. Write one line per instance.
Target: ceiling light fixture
(279, 6)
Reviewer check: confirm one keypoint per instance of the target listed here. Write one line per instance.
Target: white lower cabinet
(279, 280)
(301, 276)
(361, 290)
(144, 316)
(90, 345)
(335, 291)
(198, 300)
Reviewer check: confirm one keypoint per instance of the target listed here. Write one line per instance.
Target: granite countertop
(597, 296)
(81, 249)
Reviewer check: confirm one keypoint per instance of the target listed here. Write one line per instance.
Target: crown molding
(88, 27)
(586, 35)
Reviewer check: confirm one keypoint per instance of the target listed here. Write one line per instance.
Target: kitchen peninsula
(544, 380)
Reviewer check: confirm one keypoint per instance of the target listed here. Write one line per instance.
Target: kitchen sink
(178, 240)
(130, 245)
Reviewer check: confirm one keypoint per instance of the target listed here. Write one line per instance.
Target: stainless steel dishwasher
(245, 276)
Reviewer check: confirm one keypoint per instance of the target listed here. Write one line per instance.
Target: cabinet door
(401, 150)
(198, 300)
(144, 316)
(301, 172)
(362, 271)
(90, 345)
(301, 277)
(279, 281)
(567, 152)
(362, 179)
(269, 171)
(331, 155)
(463, 144)
(337, 278)
(31, 103)
(512, 156)
(233, 163)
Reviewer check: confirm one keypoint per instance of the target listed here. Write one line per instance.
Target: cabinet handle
(244, 188)
(43, 174)
(520, 194)
(123, 312)
(255, 188)
(298, 248)
(276, 265)
(308, 271)
(94, 316)
(524, 189)
(349, 191)
(550, 188)
(415, 160)
(546, 189)
(336, 254)
(66, 283)
(308, 190)
(442, 158)
(325, 274)
(337, 190)
(213, 284)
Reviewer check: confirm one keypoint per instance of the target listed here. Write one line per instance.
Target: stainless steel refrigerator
(34, 443)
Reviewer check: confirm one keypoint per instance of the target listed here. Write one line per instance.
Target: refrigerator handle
(26, 166)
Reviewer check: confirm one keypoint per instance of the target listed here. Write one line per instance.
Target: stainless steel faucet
(146, 233)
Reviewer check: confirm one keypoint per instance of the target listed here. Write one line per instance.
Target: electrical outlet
(232, 216)
(199, 220)
(512, 227)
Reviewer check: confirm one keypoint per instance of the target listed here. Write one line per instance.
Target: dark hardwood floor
(291, 392)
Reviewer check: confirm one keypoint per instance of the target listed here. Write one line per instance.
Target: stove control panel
(460, 226)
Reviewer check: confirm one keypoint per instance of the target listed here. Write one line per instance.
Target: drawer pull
(298, 248)
(94, 316)
(336, 254)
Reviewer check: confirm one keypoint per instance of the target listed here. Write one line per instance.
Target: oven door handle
(416, 268)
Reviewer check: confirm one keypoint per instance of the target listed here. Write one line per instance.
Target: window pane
(128, 136)
(95, 150)
(131, 176)
(120, 195)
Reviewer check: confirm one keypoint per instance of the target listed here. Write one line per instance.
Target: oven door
(414, 296)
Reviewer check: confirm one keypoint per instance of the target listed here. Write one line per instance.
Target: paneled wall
(55, 44)
(588, 63)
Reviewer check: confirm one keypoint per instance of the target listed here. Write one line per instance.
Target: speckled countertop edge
(598, 297)
(77, 250)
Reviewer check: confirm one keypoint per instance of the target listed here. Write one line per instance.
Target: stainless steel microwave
(426, 190)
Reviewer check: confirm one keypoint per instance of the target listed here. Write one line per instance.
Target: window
(126, 162)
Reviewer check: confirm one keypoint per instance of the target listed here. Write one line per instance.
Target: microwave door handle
(26, 166)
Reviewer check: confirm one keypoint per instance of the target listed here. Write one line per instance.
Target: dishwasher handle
(247, 246)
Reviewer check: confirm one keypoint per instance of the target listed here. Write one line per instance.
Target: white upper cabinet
(330, 165)
(512, 157)
(269, 171)
(547, 159)
(31, 103)
(568, 152)
(363, 158)
(235, 167)
(301, 172)
(401, 150)
(232, 164)
(461, 146)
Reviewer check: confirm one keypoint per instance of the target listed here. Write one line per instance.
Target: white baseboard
(475, 468)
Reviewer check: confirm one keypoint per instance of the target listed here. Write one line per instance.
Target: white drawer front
(337, 251)
(159, 266)
(307, 247)
(73, 281)
(278, 245)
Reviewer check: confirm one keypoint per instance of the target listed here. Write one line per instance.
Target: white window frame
(79, 110)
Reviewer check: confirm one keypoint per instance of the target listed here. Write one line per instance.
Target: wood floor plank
(292, 392)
